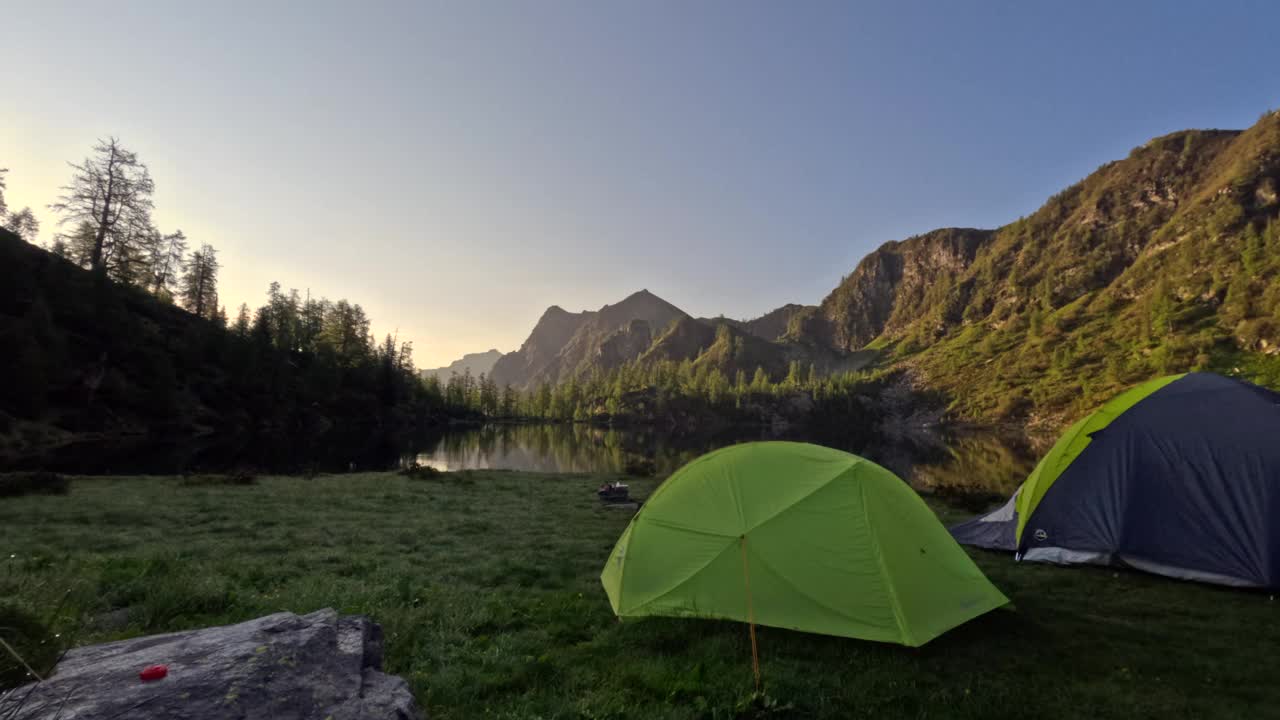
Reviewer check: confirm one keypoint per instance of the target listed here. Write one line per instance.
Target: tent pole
(751, 615)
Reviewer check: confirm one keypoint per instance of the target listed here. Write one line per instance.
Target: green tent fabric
(1073, 442)
(796, 536)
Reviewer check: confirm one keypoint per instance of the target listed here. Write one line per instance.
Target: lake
(974, 460)
(929, 459)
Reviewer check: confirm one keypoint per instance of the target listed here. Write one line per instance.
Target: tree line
(22, 223)
(130, 334)
(104, 216)
(299, 356)
(298, 361)
(664, 392)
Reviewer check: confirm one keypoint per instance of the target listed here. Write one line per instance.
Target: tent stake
(751, 615)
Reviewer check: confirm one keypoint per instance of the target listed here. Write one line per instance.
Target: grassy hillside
(773, 324)
(84, 355)
(487, 588)
(1168, 260)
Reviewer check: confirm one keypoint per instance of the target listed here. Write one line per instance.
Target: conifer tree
(110, 192)
(166, 254)
(199, 287)
(23, 222)
(760, 381)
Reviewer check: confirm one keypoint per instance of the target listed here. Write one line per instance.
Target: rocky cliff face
(891, 286)
(647, 329)
(1080, 241)
(1165, 261)
(548, 338)
(579, 353)
(624, 345)
(564, 345)
(475, 363)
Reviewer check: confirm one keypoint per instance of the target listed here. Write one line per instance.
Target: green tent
(796, 536)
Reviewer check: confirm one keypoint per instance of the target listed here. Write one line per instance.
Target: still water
(928, 459)
(960, 460)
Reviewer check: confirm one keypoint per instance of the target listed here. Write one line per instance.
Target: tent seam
(731, 538)
(630, 534)
(684, 580)
(783, 578)
(890, 590)
(802, 498)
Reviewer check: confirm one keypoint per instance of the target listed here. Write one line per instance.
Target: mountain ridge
(564, 345)
(1164, 260)
(475, 364)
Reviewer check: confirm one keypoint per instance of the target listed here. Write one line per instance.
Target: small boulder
(320, 666)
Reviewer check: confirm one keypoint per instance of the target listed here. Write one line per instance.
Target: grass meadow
(486, 585)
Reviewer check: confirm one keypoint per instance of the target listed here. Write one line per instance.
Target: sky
(458, 167)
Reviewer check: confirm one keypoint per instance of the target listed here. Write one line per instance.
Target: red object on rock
(155, 672)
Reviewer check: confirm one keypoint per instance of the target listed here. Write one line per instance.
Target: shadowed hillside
(773, 325)
(87, 359)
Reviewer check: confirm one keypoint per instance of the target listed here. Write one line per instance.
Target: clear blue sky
(457, 167)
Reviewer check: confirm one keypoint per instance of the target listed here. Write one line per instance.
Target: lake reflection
(929, 459)
(970, 460)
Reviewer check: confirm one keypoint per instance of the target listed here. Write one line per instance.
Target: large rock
(283, 667)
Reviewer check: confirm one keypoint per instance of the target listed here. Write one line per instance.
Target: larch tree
(78, 243)
(165, 257)
(111, 191)
(127, 258)
(59, 247)
(199, 287)
(241, 326)
(346, 332)
(220, 314)
(22, 223)
(760, 381)
(510, 401)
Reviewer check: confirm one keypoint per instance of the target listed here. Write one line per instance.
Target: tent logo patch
(1041, 535)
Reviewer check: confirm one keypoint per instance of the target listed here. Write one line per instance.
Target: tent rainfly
(796, 536)
(1179, 476)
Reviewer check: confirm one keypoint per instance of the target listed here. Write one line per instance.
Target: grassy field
(486, 586)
